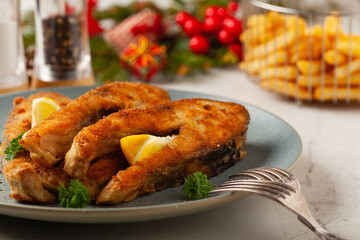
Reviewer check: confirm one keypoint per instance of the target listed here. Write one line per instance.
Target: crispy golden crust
(49, 141)
(29, 181)
(102, 170)
(19, 119)
(25, 184)
(204, 127)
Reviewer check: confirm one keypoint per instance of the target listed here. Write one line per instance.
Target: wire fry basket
(306, 52)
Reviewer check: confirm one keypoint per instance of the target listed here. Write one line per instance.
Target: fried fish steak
(50, 140)
(28, 180)
(32, 182)
(209, 137)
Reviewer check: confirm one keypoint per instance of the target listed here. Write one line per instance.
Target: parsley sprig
(76, 196)
(197, 186)
(13, 148)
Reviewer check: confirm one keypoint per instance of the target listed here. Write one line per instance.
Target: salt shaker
(62, 55)
(12, 62)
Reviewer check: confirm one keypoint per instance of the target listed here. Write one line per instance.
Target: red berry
(212, 25)
(211, 11)
(221, 12)
(237, 49)
(199, 44)
(225, 37)
(181, 17)
(232, 25)
(233, 6)
(192, 27)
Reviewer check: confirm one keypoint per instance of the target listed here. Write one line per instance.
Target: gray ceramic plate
(271, 142)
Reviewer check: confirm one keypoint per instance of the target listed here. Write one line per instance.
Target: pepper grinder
(12, 63)
(62, 55)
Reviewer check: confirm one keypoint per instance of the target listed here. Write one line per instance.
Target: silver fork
(281, 186)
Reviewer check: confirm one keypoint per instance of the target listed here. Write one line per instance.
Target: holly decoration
(219, 22)
(192, 27)
(192, 48)
(199, 44)
(143, 58)
(181, 17)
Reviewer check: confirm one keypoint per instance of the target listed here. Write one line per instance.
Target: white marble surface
(328, 170)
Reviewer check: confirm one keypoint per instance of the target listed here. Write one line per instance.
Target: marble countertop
(329, 172)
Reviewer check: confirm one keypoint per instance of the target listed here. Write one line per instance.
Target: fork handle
(318, 230)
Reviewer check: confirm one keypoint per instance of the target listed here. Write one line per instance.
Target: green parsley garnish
(13, 148)
(197, 186)
(76, 196)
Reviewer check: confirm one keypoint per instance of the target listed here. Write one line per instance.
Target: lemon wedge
(137, 147)
(42, 108)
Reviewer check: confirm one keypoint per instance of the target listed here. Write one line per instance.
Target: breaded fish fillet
(29, 181)
(49, 141)
(210, 137)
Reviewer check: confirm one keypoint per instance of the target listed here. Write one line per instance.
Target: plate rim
(131, 214)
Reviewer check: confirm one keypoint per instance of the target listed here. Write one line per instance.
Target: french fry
(309, 67)
(345, 48)
(282, 72)
(274, 20)
(274, 59)
(256, 20)
(349, 37)
(287, 88)
(329, 80)
(278, 42)
(301, 51)
(315, 31)
(252, 67)
(287, 56)
(295, 22)
(314, 81)
(332, 26)
(340, 94)
(332, 57)
(343, 70)
(256, 36)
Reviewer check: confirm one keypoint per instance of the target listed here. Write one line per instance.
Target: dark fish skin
(212, 164)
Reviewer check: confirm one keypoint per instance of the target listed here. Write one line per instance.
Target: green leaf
(13, 148)
(76, 196)
(64, 196)
(197, 186)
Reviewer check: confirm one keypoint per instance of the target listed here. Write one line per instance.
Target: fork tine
(276, 185)
(249, 190)
(266, 173)
(253, 173)
(273, 172)
(283, 172)
(260, 174)
(247, 174)
(277, 189)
